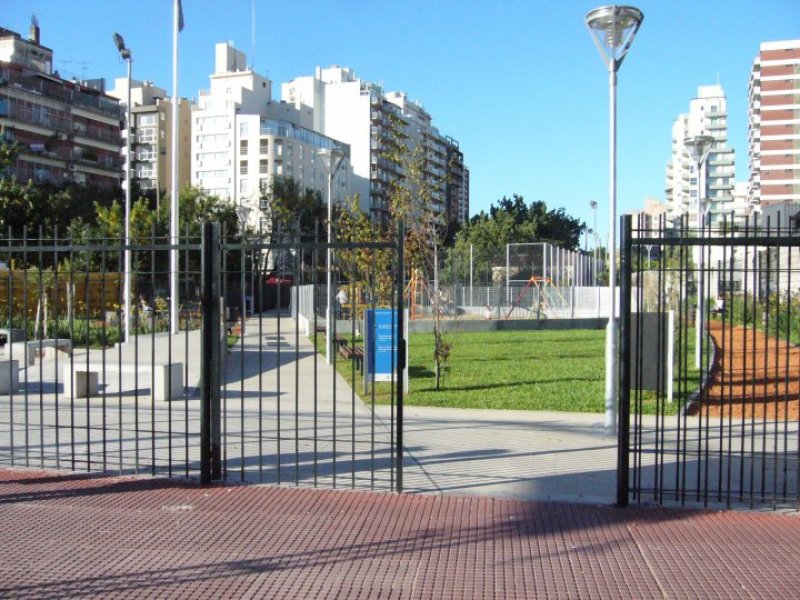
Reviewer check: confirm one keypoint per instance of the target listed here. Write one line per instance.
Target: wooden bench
(83, 380)
(353, 353)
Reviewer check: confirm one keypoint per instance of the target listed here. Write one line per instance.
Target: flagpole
(173, 208)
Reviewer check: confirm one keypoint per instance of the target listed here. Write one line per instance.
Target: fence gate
(710, 369)
(242, 392)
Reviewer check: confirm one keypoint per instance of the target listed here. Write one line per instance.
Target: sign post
(381, 344)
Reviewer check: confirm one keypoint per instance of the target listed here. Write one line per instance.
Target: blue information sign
(381, 342)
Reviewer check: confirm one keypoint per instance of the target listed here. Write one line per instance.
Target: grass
(525, 370)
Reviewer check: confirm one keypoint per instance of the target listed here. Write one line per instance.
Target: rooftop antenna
(253, 34)
(81, 64)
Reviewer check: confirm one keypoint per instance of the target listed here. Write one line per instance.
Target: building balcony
(48, 122)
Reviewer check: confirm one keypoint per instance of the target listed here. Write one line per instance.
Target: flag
(180, 16)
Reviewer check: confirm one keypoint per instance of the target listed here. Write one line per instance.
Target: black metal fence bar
(75, 393)
(243, 392)
(729, 435)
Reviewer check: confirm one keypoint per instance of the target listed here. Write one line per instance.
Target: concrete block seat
(9, 376)
(82, 380)
(27, 351)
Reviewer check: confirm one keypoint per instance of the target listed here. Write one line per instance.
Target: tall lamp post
(613, 29)
(335, 157)
(126, 55)
(593, 206)
(697, 147)
(243, 212)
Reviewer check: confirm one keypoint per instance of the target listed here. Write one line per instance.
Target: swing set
(544, 287)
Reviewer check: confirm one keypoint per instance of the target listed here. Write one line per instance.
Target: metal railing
(709, 391)
(240, 393)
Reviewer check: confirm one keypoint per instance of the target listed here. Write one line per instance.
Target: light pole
(593, 205)
(126, 55)
(613, 29)
(697, 147)
(335, 157)
(242, 212)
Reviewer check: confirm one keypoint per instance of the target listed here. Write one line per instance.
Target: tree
(512, 221)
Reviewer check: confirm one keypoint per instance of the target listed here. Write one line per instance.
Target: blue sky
(518, 83)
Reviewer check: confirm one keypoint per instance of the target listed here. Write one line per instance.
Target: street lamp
(593, 205)
(242, 212)
(697, 147)
(613, 29)
(335, 156)
(126, 55)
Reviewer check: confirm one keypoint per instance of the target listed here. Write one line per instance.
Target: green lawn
(525, 370)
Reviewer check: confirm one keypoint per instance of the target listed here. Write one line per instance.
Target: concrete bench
(29, 349)
(83, 381)
(9, 376)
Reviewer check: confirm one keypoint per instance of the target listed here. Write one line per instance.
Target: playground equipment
(415, 292)
(547, 293)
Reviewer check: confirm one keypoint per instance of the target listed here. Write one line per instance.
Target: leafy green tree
(293, 212)
(512, 221)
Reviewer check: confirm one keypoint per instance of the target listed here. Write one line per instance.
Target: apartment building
(151, 141)
(241, 139)
(69, 130)
(708, 115)
(372, 122)
(774, 125)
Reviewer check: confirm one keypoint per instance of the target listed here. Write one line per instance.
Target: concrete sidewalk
(67, 536)
(522, 455)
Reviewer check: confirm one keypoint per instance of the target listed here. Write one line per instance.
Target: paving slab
(65, 536)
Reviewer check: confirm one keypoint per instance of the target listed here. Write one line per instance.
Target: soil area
(753, 376)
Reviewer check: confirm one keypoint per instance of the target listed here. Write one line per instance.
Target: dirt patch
(753, 376)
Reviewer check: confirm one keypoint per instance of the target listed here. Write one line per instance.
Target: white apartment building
(774, 126)
(241, 139)
(708, 115)
(151, 144)
(360, 114)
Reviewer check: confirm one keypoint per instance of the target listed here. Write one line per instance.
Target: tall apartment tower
(708, 115)
(369, 120)
(69, 131)
(151, 144)
(241, 139)
(774, 132)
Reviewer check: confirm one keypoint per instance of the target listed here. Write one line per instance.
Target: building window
(147, 135)
(243, 146)
(243, 167)
(263, 166)
(264, 147)
(147, 119)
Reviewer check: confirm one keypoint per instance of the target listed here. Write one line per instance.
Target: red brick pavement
(67, 536)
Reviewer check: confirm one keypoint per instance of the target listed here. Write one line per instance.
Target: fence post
(624, 398)
(401, 354)
(210, 414)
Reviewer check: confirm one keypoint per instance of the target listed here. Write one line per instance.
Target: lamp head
(124, 52)
(613, 29)
(335, 157)
(698, 146)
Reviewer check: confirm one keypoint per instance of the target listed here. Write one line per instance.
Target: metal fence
(710, 376)
(239, 393)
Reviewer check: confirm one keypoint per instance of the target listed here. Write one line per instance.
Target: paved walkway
(71, 537)
(480, 521)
